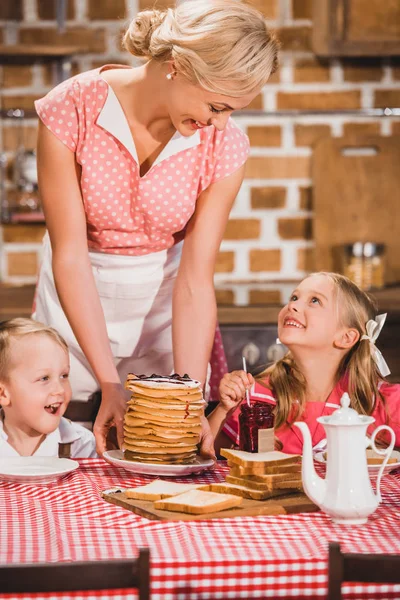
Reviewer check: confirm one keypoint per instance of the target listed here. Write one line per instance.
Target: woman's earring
(169, 76)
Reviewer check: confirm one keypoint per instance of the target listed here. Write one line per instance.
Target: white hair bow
(373, 330)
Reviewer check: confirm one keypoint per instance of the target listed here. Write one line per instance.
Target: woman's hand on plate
(111, 414)
(206, 440)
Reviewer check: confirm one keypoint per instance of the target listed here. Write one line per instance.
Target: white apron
(136, 296)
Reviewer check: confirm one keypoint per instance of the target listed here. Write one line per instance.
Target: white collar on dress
(112, 118)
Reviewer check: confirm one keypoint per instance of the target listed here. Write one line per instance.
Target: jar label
(266, 440)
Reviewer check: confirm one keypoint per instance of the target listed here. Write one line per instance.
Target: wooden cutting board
(356, 197)
(287, 504)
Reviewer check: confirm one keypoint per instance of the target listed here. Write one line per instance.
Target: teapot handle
(386, 452)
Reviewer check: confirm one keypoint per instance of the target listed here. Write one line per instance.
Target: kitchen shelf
(28, 218)
(366, 112)
(21, 297)
(29, 51)
(17, 113)
(362, 112)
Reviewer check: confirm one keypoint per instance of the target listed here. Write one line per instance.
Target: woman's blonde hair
(288, 383)
(223, 45)
(17, 328)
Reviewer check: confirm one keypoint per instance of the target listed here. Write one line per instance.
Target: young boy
(34, 394)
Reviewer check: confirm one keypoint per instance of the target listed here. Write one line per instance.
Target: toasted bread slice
(262, 477)
(372, 457)
(264, 485)
(158, 489)
(262, 469)
(244, 491)
(199, 502)
(295, 484)
(376, 459)
(249, 459)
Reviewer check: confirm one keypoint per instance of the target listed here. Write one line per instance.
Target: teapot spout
(314, 485)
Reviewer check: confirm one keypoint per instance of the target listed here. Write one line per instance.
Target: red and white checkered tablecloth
(247, 557)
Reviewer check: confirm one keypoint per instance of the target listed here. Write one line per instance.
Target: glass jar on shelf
(373, 266)
(27, 199)
(353, 262)
(364, 263)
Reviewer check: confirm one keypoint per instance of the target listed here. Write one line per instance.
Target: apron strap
(64, 449)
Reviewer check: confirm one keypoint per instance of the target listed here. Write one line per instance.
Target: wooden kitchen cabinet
(356, 27)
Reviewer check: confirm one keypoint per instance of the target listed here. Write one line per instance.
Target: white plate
(35, 469)
(116, 457)
(372, 469)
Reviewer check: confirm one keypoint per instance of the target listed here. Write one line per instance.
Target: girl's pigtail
(363, 377)
(288, 385)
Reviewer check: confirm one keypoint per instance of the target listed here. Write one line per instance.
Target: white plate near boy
(37, 470)
(116, 457)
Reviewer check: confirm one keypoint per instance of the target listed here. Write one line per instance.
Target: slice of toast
(372, 458)
(244, 491)
(376, 459)
(265, 485)
(264, 477)
(199, 502)
(249, 459)
(295, 484)
(263, 469)
(158, 489)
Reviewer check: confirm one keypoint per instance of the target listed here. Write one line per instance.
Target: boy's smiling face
(37, 390)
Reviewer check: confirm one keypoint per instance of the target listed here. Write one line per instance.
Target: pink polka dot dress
(129, 215)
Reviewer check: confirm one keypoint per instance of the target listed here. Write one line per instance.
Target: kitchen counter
(17, 301)
(248, 330)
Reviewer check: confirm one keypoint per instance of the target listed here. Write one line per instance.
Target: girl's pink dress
(290, 437)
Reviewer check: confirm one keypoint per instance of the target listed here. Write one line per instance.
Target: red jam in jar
(259, 415)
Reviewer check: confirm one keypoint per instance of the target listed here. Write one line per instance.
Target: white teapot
(345, 494)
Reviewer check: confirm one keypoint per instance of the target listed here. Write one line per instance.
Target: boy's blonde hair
(18, 328)
(355, 308)
(223, 45)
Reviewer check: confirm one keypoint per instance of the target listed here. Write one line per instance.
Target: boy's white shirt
(82, 441)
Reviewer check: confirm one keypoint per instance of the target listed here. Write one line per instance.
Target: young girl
(330, 327)
(35, 392)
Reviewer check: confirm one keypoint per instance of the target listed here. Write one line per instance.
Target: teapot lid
(346, 415)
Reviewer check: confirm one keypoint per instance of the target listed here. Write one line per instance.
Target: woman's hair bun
(222, 45)
(137, 38)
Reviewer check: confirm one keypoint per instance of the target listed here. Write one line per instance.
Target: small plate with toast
(374, 461)
(116, 457)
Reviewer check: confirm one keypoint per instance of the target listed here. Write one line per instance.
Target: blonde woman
(330, 327)
(34, 394)
(138, 171)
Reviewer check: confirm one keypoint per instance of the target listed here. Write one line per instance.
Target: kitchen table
(281, 556)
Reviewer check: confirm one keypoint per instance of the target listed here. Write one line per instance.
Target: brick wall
(269, 236)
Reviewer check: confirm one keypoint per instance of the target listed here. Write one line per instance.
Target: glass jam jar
(259, 415)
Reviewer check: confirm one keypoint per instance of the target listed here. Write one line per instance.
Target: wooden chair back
(363, 568)
(77, 576)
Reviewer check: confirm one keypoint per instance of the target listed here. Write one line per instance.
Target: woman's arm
(194, 313)
(66, 222)
(194, 310)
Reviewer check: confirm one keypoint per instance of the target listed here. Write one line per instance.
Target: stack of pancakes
(163, 420)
